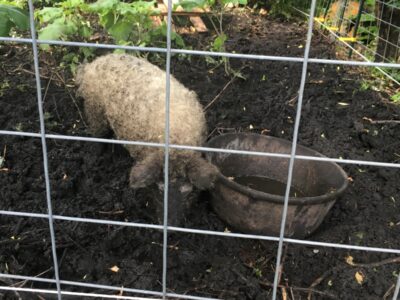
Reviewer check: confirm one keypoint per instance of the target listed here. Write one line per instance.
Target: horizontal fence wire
(165, 228)
(210, 53)
(204, 149)
(97, 295)
(101, 287)
(77, 294)
(200, 231)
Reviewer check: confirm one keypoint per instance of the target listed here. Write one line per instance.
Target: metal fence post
(341, 16)
(355, 29)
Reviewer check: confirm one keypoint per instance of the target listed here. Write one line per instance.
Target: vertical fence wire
(388, 33)
(166, 148)
(44, 147)
(294, 146)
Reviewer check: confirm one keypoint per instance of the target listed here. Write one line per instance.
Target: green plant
(65, 20)
(125, 21)
(258, 272)
(218, 44)
(365, 85)
(131, 23)
(12, 16)
(396, 97)
(62, 21)
(73, 57)
(284, 8)
(3, 87)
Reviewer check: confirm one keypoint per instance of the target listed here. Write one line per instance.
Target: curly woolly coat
(127, 94)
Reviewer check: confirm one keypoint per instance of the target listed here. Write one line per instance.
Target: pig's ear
(201, 173)
(145, 172)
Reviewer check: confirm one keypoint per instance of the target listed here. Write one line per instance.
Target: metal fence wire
(373, 36)
(165, 228)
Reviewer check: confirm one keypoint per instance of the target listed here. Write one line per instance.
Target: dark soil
(91, 179)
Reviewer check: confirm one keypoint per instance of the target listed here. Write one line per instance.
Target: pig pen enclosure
(72, 228)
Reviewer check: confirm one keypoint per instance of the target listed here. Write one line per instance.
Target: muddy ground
(91, 179)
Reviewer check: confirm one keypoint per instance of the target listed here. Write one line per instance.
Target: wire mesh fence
(384, 61)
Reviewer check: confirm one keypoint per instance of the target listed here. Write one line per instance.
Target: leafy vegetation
(126, 23)
(63, 20)
(12, 16)
(396, 98)
(285, 7)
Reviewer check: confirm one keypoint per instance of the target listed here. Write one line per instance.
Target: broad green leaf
(107, 20)
(103, 5)
(84, 31)
(395, 98)
(87, 51)
(126, 8)
(234, 2)
(121, 31)
(70, 27)
(5, 24)
(177, 39)
(119, 51)
(367, 17)
(191, 4)
(48, 14)
(17, 3)
(56, 30)
(136, 8)
(17, 15)
(143, 5)
(210, 2)
(50, 32)
(72, 3)
(219, 42)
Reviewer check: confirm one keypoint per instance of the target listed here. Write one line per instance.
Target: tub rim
(256, 195)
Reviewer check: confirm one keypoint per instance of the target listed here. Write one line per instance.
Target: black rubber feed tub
(250, 210)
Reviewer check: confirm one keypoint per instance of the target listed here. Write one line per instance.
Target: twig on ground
(284, 293)
(221, 130)
(378, 263)
(22, 283)
(300, 289)
(60, 262)
(236, 74)
(33, 73)
(282, 262)
(220, 93)
(113, 212)
(47, 87)
(381, 121)
(292, 101)
(389, 291)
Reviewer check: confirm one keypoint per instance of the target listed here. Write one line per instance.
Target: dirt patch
(91, 179)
